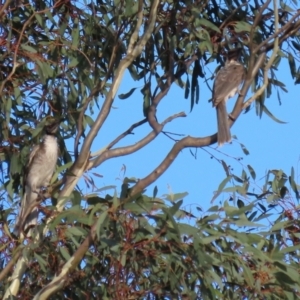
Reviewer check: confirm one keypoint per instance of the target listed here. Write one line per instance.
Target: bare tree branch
(170, 78)
(97, 89)
(152, 108)
(269, 64)
(124, 64)
(135, 34)
(260, 15)
(285, 28)
(186, 142)
(127, 132)
(130, 149)
(193, 142)
(116, 140)
(285, 36)
(165, 89)
(255, 23)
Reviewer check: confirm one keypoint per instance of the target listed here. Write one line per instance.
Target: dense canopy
(68, 58)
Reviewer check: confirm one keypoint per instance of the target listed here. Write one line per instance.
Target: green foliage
(66, 59)
(147, 248)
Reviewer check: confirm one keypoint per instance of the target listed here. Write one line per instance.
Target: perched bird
(38, 173)
(226, 85)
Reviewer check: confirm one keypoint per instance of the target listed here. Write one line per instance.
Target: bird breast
(232, 93)
(43, 163)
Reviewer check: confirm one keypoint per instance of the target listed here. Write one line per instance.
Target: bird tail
(223, 125)
(27, 216)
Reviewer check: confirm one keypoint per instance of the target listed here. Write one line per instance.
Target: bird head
(233, 55)
(52, 125)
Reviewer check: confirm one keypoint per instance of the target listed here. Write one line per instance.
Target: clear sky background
(271, 145)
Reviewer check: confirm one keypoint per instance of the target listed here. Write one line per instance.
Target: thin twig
(193, 142)
(95, 91)
(232, 14)
(127, 132)
(4, 7)
(134, 36)
(255, 23)
(121, 136)
(169, 135)
(153, 107)
(124, 64)
(187, 142)
(269, 64)
(108, 154)
(278, 32)
(292, 30)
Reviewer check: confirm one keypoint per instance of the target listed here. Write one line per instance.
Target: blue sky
(271, 145)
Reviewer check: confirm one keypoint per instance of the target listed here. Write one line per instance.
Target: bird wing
(25, 201)
(28, 165)
(227, 80)
(32, 154)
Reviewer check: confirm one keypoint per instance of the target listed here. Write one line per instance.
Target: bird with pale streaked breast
(226, 85)
(38, 173)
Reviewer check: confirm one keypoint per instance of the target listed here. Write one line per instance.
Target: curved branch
(187, 142)
(224, 23)
(152, 109)
(135, 34)
(128, 131)
(255, 23)
(117, 139)
(285, 36)
(124, 64)
(192, 142)
(269, 64)
(170, 79)
(130, 149)
(288, 26)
